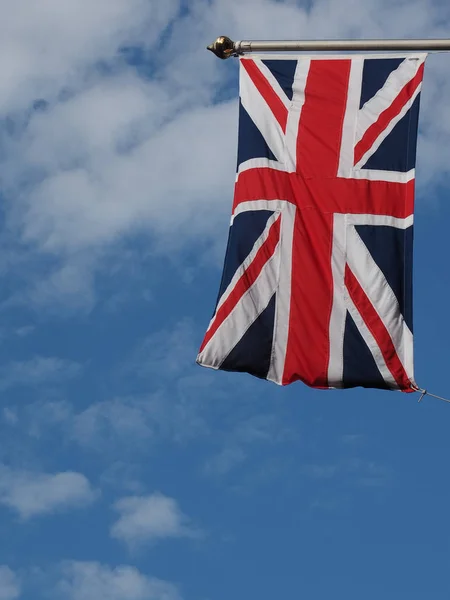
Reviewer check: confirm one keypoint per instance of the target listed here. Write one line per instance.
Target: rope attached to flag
(427, 393)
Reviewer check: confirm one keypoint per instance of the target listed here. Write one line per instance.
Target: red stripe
(347, 196)
(311, 300)
(322, 117)
(378, 330)
(267, 92)
(387, 115)
(247, 279)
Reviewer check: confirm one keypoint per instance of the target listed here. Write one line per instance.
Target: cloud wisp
(31, 494)
(150, 519)
(10, 586)
(96, 581)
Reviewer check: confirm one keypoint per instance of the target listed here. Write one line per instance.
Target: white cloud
(9, 584)
(31, 494)
(36, 371)
(94, 581)
(149, 519)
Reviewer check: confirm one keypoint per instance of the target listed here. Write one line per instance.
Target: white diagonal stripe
(371, 343)
(261, 114)
(383, 135)
(372, 109)
(380, 294)
(267, 73)
(283, 300)
(243, 315)
(247, 262)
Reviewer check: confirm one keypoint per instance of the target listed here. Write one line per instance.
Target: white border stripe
(378, 175)
(259, 163)
(347, 152)
(298, 100)
(283, 301)
(365, 219)
(273, 205)
(339, 309)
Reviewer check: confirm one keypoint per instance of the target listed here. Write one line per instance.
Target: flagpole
(224, 47)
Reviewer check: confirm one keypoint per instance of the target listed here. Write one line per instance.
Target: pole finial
(223, 47)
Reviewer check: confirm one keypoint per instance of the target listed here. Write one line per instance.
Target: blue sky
(127, 472)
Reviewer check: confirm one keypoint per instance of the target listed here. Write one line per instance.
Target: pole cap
(223, 47)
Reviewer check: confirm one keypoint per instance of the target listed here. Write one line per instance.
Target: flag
(317, 279)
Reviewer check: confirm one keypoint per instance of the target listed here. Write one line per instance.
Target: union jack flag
(317, 280)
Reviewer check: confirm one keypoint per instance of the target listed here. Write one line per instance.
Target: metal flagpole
(223, 47)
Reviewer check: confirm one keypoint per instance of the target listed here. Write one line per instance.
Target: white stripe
(298, 100)
(283, 301)
(383, 135)
(259, 163)
(379, 292)
(371, 344)
(273, 205)
(378, 175)
(394, 84)
(261, 115)
(243, 315)
(347, 152)
(339, 309)
(355, 219)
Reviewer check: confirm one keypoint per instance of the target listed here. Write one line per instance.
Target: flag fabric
(317, 279)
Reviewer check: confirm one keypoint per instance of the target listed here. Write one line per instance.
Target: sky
(128, 472)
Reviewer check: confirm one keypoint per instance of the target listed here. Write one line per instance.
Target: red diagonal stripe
(267, 92)
(378, 330)
(387, 115)
(247, 279)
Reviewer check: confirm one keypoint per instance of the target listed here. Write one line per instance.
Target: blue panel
(360, 369)
(246, 229)
(252, 353)
(284, 72)
(392, 250)
(398, 151)
(251, 143)
(375, 73)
